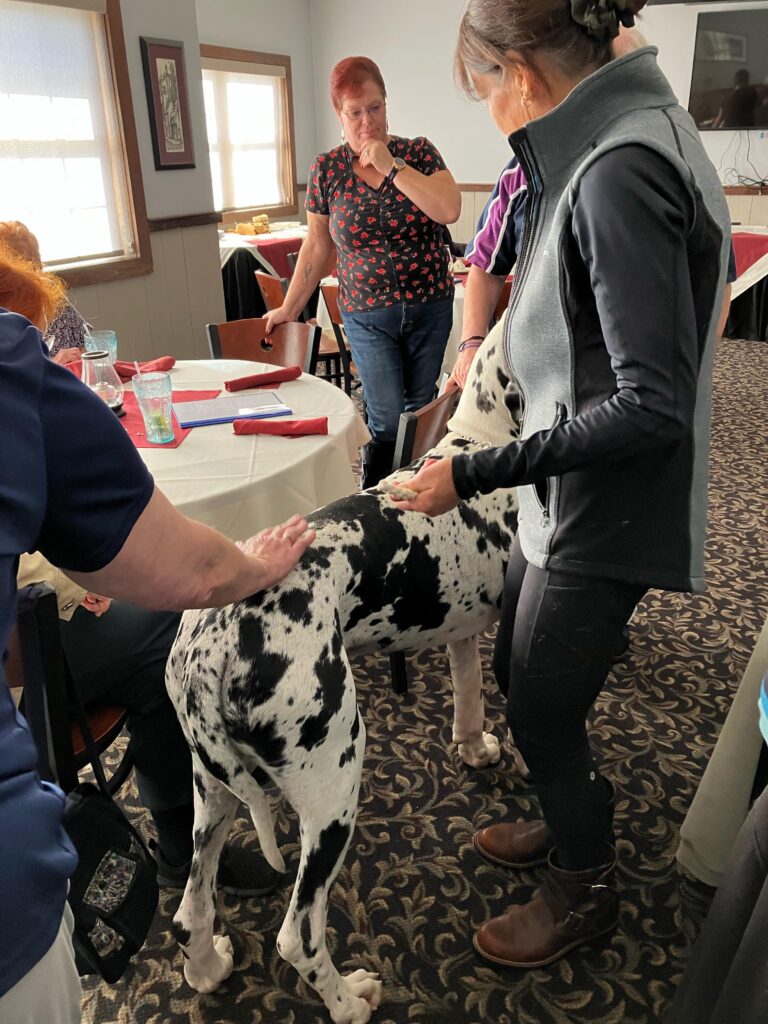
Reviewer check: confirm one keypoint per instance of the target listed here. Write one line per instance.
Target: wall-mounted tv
(729, 84)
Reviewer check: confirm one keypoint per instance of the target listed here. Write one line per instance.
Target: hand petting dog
(437, 494)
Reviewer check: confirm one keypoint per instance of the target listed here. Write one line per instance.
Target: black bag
(113, 892)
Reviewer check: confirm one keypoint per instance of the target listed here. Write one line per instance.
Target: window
(63, 170)
(248, 111)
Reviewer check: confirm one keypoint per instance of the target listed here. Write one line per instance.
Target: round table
(240, 485)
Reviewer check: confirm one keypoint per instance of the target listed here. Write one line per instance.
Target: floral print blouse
(387, 250)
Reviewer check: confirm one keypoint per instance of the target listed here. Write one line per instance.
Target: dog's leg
(476, 748)
(208, 958)
(325, 798)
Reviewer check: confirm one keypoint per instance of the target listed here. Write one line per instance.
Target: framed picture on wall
(166, 85)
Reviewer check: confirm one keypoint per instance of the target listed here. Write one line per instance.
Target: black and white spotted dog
(265, 685)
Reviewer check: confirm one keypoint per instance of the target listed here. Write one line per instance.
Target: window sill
(228, 216)
(102, 271)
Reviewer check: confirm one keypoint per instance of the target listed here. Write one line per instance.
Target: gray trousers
(50, 992)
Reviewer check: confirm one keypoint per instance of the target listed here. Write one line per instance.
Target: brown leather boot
(570, 908)
(523, 844)
(515, 844)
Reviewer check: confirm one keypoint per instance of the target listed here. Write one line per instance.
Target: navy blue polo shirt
(72, 486)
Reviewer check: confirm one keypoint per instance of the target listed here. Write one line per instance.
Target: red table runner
(748, 247)
(276, 251)
(134, 422)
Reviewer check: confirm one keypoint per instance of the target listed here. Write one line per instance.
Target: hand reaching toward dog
(278, 549)
(434, 482)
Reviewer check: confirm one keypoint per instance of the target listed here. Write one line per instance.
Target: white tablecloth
(454, 338)
(240, 485)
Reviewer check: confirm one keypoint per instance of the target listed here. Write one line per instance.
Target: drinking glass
(97, 340)
(153, 393)
(101, 377)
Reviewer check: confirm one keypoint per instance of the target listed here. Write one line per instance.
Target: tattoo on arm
(307, 273)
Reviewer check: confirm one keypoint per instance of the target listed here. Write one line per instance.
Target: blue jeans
(398, 351)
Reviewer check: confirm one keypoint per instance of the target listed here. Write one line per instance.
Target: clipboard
(226, 408)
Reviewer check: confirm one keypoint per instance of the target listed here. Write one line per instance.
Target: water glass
(96, 340)
(153, 393)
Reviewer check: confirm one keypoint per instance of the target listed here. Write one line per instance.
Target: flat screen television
(729, 84)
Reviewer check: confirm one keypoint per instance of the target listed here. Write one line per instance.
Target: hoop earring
(525, 100)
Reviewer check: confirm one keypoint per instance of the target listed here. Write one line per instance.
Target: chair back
(421, 430)
(331, 298)
(38, 665)
(501, 305)
(289, 344)
(272, 289)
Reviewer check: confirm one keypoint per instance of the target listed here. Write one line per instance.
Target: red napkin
(126, 370)
(283, 428)
(258, 380)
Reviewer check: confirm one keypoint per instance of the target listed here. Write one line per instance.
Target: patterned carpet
(412, 888)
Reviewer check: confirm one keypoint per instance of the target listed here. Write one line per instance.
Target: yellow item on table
(244, 229)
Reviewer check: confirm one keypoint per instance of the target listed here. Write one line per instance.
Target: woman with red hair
(64, 335)
(382, 200)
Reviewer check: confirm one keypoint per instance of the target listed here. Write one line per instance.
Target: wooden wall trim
(746, 190)
(142, 262)
(187, 220)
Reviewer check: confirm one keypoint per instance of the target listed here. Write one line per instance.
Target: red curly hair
(350, 74)
(27, 289)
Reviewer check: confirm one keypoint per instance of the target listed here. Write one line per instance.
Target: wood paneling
(165, 312)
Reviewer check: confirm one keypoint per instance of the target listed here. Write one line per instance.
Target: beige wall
(163, 313)
(748, 210)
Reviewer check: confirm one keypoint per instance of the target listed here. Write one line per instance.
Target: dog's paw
(480, 752)
(364, 991)
(206, 976)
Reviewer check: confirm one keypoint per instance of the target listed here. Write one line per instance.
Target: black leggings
(557, 638)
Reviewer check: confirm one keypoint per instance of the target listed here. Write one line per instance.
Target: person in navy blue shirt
(73, 486)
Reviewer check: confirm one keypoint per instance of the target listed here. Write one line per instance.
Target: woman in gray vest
(609, 338)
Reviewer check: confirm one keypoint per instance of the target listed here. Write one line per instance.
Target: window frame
(94, 271)
(278, 60)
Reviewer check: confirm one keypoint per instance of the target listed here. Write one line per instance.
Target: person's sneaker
(241, 872)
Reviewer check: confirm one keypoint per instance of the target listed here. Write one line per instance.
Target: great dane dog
(263, 688)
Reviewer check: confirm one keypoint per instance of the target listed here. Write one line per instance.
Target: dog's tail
(251, 793)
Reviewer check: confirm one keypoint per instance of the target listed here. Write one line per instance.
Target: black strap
(76, 703)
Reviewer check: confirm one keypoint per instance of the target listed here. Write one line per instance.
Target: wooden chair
(330, 293)
(417, 433)
(273, 290)
(38, 665)
(501, 305)
(290, 344)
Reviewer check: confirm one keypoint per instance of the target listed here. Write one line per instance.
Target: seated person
(64, 336)
(116, 653)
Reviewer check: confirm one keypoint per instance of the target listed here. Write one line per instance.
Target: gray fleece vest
(627, 101)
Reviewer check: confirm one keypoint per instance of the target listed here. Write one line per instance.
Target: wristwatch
(397, 165)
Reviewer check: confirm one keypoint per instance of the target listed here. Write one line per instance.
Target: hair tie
(601, 18)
